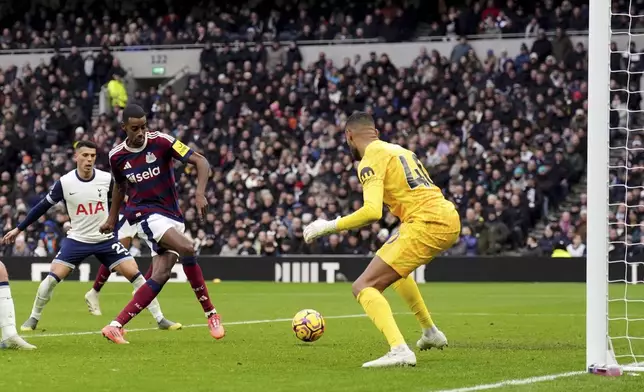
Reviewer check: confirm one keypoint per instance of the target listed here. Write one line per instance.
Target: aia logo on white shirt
(150, 158)
(90, 208)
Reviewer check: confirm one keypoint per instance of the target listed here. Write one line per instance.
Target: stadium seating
(505, 143)
(392, 21)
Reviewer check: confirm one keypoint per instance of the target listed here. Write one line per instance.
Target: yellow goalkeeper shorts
(417, 243)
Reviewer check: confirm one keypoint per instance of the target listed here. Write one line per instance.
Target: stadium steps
(574, 198)
(95, 108)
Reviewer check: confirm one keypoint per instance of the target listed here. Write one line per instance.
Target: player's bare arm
(118, 195)
(203, 171)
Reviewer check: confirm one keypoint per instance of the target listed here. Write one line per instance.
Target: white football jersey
(86, 203)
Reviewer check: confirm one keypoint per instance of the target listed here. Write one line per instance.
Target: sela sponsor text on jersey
(149, 173)
(145, 175)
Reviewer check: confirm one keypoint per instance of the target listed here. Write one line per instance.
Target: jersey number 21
(418, 176)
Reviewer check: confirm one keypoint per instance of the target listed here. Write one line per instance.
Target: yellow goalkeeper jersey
(393, 175)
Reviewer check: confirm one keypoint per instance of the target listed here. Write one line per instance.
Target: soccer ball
(308, 325)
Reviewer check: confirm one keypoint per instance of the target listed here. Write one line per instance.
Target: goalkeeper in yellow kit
(393, 175)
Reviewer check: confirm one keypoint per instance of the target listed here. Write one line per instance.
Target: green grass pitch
(497, 332)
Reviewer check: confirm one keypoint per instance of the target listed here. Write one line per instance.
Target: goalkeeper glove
(319, 228)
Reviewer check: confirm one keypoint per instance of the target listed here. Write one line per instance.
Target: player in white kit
(8, 335)
(85, 192)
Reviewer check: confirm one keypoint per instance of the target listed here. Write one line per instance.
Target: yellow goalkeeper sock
(408, 290)
(379, 311)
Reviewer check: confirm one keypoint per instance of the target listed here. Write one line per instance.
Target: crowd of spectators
(504, 136)
(494, 17)
(134, 23)
(67, 23)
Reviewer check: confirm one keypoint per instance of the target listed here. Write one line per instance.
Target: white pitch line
(474, 314)
(247, 322)
(519, 381)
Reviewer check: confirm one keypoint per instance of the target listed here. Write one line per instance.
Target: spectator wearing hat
(560, 250)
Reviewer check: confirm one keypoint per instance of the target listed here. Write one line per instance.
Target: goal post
(614, 307)
(599, 35)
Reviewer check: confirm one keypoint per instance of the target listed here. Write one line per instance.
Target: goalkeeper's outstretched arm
(371, 210)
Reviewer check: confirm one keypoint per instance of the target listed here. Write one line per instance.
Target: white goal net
(615, 277)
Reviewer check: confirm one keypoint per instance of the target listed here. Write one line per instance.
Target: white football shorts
(152, 229)
(125, 229)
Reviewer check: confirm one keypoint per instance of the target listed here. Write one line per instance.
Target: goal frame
(598, 348)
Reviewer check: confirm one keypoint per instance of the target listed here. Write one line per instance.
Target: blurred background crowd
(504, 135)
(64, 23)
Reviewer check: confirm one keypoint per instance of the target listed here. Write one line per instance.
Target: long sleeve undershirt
(54, 195)
(371, 210)
(35, 213)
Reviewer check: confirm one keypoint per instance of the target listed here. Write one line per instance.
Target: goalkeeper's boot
(15, 342)
(29, 325)
(91, 299)
(432, 338)
(168, 325)
(398, 356)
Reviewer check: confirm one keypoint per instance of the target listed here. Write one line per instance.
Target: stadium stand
(134, 23)
(504, 135)
(67, 23)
